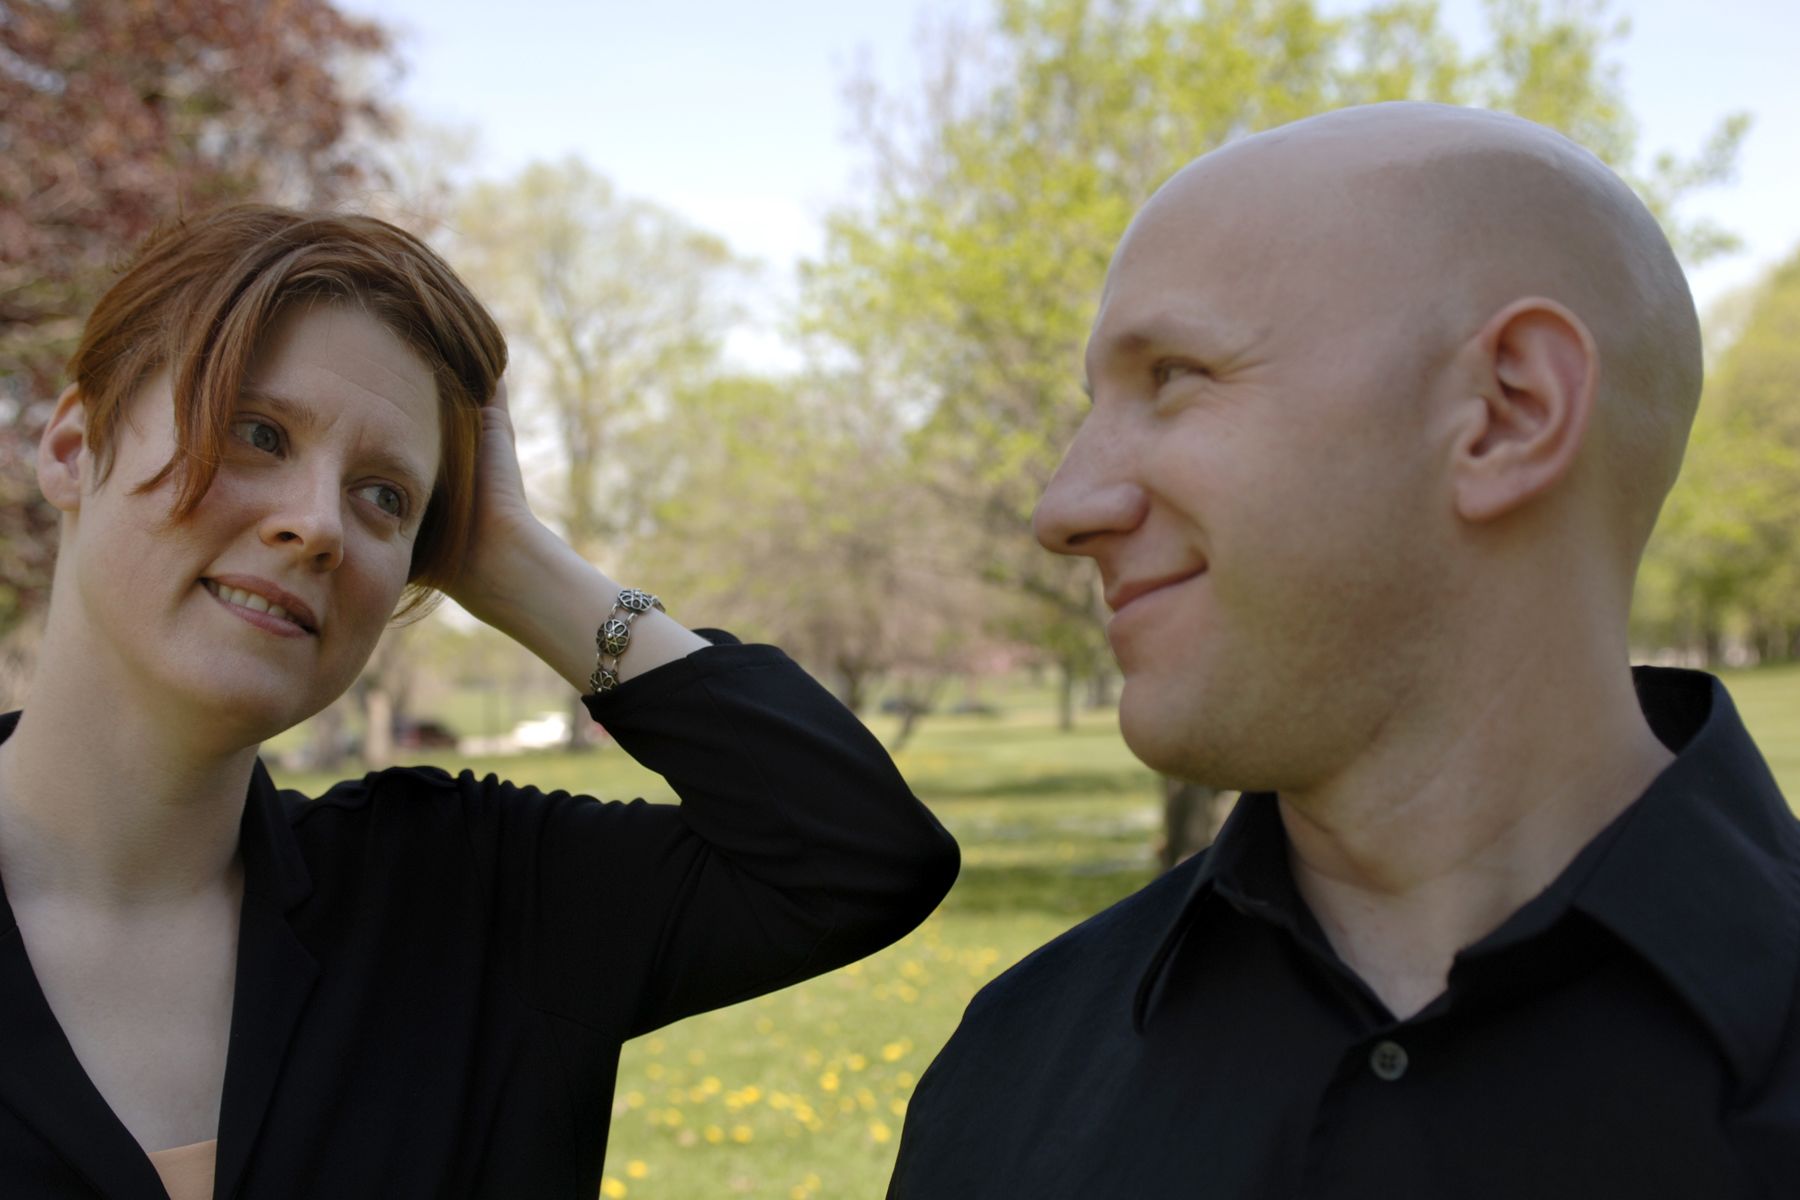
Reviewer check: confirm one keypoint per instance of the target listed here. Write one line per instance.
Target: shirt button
(1388, 1061)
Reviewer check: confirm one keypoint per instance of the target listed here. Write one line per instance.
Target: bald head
(1422, 221)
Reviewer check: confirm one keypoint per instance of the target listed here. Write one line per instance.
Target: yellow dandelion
(829, 1081)
(880, 1132)
(655, 1071)
(637, 1168)
(741, 1134)
(612, 1188)
(894, 1051)
(714, 1134)
(856, 1062)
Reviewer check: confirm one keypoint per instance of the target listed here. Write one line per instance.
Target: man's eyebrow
(1170, 332)
(302, 417)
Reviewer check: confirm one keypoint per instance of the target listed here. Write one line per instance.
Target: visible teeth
(252, 601)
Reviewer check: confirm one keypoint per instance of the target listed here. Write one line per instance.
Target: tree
(968, 272)
(116, 118)
(615, 305)
(1725, 557)
(789, 507)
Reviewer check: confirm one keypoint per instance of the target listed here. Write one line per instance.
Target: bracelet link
(613, 637)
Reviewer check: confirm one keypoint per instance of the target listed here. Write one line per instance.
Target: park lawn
(802, 1094)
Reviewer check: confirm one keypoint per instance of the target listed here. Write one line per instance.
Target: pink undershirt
(187, 1171)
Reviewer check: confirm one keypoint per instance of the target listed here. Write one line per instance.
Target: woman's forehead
(337, 366)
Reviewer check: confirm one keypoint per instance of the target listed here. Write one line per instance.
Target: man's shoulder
(1096, 964)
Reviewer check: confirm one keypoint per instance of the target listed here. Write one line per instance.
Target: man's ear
(1538, 376)
(63, 452)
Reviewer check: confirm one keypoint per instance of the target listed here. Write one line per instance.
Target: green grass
(801, 1094)
(1769, 702)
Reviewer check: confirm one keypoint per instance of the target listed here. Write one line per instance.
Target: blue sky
(733, 113)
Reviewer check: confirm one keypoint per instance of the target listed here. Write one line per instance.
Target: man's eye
(258, 434)
(1166, 372)
(389, 499)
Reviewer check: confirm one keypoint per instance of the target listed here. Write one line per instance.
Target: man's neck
(1452, 823)
(104, 803)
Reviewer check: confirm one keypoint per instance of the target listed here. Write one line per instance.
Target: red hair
(201, 296)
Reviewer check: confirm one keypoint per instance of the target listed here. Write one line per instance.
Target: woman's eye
(258, 434)
(389, 499)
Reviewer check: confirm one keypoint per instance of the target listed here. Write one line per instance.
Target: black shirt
(1631, 1032)
(435, 973)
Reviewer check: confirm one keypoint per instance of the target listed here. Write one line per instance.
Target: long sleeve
(797, 847)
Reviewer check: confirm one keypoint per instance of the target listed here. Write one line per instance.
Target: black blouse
(435, 973)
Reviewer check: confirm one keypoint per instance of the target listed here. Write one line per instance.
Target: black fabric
(1631, 1032)
(435, 973)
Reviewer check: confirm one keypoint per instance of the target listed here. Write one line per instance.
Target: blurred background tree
(1722, 576)
(118, 117)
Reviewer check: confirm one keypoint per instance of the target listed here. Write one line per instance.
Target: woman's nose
(308, 523)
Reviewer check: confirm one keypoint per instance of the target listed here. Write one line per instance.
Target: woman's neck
(107, 800)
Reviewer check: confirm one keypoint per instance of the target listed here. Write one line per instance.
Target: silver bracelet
(614, 635)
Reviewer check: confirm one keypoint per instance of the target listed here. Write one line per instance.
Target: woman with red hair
(283, 428)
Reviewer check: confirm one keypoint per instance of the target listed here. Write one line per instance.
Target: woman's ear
(63, 452)
(1539, 379)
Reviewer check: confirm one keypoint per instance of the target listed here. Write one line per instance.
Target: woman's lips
(231, 600)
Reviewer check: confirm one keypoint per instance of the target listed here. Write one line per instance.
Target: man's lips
(1122, 594)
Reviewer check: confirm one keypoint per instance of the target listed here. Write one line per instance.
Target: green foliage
(1725, 558)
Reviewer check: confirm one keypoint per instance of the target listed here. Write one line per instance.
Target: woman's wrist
(546, 597)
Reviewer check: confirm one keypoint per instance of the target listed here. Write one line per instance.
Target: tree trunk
(1065, 697)
(852, 686)
(1192, 815)
(1100, 689)
(581, 726)
(909, 723)
(378, 728)
(326, 751)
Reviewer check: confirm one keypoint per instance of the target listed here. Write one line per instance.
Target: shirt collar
(1698, 880)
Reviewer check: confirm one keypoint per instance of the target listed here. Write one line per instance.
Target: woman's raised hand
(504, 525)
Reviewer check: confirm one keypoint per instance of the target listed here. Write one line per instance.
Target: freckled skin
(307, 518)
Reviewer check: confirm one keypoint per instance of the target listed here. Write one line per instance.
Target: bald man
(1385, 403)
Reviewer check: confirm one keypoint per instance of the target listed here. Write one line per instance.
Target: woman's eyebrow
(301, 416)
(293, 412)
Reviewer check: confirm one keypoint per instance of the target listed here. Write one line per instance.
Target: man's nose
(307, 522)
(1094, 492)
